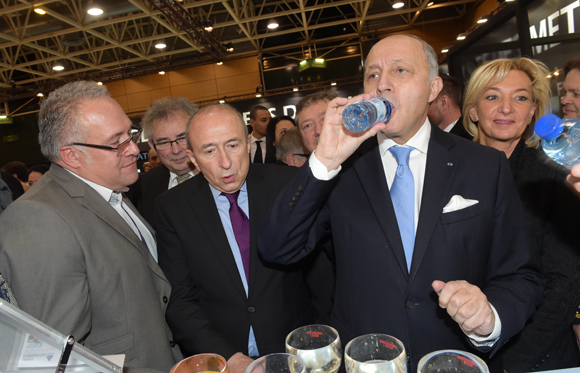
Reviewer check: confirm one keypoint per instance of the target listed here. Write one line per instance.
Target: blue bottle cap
(549, 127)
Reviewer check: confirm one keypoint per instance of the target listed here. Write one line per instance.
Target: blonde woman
(503, 100)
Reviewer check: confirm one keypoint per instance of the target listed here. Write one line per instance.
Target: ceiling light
(229, 47)
(219, 63)
(160, 44)
(557, 72)
(445, 50)
(431, 3)
(58, 66)
(295, 89)
(39, 94)
(461, 36)
(207, 25)
(223, 101)
(99, 83)
(161, 73)
(549, 76)
(258, 95)
(272, 24)
(398, 4)
(95, 11)
(482, 19)
(333, 83)
(39, 11)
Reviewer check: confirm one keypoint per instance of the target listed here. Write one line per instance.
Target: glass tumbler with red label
(375, 353)
(318, 346)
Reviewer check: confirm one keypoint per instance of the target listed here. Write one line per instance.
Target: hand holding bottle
(336, 143)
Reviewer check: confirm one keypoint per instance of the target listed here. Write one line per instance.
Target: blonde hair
(495, 71)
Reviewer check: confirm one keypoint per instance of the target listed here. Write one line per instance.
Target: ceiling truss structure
(120, 43)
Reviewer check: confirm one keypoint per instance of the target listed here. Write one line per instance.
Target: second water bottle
(560, 138)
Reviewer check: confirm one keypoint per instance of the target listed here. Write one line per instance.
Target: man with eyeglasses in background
(77, 255)
(165, 125)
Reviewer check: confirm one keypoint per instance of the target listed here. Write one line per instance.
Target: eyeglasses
(302, 155)
(122, 148)
(164, 145)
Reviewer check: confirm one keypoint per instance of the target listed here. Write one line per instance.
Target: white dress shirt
(116, 201)
(450, 127)
(417, 164)
(253, 146)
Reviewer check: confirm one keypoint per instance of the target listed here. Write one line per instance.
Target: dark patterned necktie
(181, 178)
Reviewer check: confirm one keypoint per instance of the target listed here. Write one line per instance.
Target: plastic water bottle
(362, 115)
(560, 138)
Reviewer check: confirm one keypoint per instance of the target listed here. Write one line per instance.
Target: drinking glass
(375, 353)
(277, 363)
(202, 363)
(451, 361)
(318, 346)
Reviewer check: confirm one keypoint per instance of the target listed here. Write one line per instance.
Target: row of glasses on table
(317, 349)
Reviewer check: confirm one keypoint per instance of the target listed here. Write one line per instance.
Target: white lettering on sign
(290, 111)
(549, 26)
(559, 85)
(246, 115)
(272, 111)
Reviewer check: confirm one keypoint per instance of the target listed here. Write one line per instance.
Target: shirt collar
(109, 195)
(253, 139)
(420, 141)
(216, 193)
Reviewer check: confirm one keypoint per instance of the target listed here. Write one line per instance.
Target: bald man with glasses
(77, 255)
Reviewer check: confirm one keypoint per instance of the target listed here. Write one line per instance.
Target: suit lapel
(204, 207)
(144, 250)
(439, 173)
(369, 166)
(258, 197)
(93, 201)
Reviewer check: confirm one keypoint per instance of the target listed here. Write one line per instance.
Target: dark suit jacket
(553, 214)
(460, 131)
(486, 244)
(209, 309)
(151, 184)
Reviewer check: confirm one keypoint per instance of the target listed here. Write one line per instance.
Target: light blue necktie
(403, 197)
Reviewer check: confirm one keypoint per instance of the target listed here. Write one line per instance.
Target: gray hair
(59, 120)
(290, 143)
(163, 109)
(215, 107)
(430, 55)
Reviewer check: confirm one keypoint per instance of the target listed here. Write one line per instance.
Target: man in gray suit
(77, 255)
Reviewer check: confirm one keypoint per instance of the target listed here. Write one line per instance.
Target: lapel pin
(449, 164)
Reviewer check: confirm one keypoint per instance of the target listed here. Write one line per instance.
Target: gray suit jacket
(76, 265)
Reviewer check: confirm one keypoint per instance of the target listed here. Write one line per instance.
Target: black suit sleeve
(514, 285)
(191, 326)
(298, 220)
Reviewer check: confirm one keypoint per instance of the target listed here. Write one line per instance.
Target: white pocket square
(458, 203)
